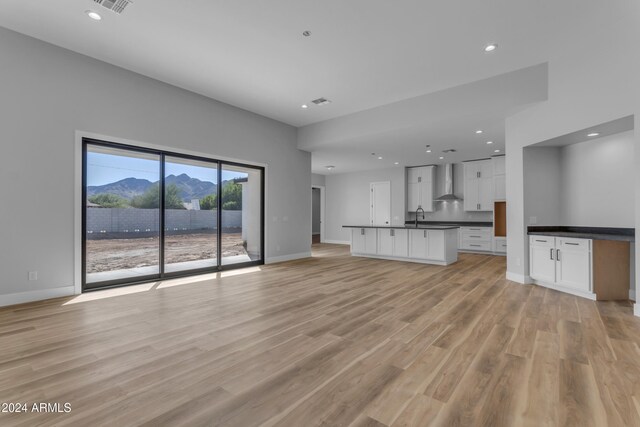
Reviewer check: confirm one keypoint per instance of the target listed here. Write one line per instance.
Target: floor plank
(329, 340)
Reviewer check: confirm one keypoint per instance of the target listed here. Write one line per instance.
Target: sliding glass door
(122, 219)
(191, 214)
(150, 214)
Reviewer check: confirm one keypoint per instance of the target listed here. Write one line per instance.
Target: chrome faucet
(419, 209)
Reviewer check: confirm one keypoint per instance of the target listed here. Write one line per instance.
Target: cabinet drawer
(542, 241)
(476, 246)
(476, 235)
(476, 229)
(582, 245)
(500, 245)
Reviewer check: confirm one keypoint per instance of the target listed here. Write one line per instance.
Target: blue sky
(107, 168)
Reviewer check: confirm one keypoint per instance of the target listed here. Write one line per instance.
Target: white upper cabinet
(420, 185)
(499, 178)
(478, 185)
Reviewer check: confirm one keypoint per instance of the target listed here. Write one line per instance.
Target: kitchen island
(427, 244)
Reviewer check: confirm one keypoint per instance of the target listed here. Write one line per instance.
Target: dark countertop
(455, 223)
(594, 233)
(406, 227)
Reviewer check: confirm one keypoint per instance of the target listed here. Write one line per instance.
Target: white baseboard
(636, 309)
(587, 295)
(519, 278)
(632, 294)
(39, 295)
(338, 242)
(291, 257)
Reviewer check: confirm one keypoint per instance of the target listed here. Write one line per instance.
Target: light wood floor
(332, 340)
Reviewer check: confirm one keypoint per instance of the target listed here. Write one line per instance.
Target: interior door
(380, 203)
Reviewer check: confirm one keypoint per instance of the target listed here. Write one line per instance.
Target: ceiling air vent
(321, 101)
(117, 6)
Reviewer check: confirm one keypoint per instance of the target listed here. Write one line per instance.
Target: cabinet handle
(477, 237)
(543, 241)
(393, 232)
(557, 254)
(419, 179)
(362, 231)
(551, 254)
(573, 244)
(425, 234)
(475, 246)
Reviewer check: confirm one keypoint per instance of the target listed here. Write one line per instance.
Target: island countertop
(406, 227)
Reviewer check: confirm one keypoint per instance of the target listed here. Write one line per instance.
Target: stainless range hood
(448, 194)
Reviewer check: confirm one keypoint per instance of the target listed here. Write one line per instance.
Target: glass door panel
(122, 218)
(241, 219)
(191, 214)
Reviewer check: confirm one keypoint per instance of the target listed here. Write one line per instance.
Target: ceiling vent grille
(117, 6)
(321, 101)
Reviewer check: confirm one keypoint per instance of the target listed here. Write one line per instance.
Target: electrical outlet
(518, 262)
(278, 248)
(533, 220)
(33, 276)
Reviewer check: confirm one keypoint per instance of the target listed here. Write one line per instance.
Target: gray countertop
(406, 227)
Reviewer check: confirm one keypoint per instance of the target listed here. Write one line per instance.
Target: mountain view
(128, 188)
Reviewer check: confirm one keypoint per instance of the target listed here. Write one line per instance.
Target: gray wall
(48, 93)
(347, 200)
(317, 179)
(315, 209)
(598, 182)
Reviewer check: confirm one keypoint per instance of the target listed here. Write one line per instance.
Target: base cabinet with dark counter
(595, 265)
(428, 245)
(562, 263)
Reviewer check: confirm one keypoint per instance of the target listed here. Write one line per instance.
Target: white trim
(632, 294)
(519, 278)
(291, 257)
(583, 294)
(322, 212)
(338, 242)
(41, 294)
(404, 259)
(636, 309)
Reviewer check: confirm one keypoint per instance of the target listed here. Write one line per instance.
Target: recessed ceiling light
(304, 106)
(441, 157)
(479, 131)
(396, 163)
(592, 134)
(496, 151)
(330, 167)
(306, 33)
(490, 47)
(93, 15)
(489, 142)
(379, 157)
(428, 151)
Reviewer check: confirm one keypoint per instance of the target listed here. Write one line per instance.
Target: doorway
(380, 201)
(317, 214)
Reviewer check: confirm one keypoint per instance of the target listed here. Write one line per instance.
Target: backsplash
(452, 211)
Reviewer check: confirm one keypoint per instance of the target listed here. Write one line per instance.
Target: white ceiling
(362, 54)
(251, 53)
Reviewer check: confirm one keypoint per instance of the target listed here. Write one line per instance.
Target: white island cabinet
(429, 245)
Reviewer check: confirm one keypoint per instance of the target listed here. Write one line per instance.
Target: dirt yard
(119, 254)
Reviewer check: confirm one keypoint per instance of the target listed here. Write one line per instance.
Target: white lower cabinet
(392, 242)
(417, 243)
(427, 246)
(364, 240)
(562, 263)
